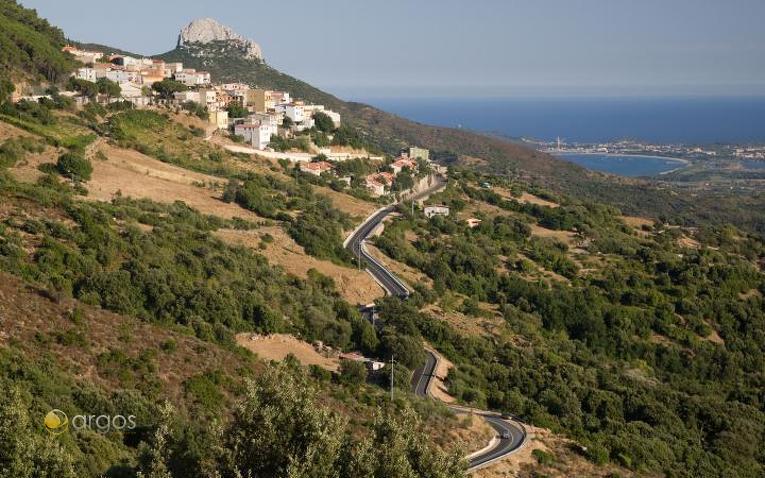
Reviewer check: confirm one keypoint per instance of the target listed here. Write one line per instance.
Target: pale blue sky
(464, 47)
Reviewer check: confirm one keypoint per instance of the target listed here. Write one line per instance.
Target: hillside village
(271, 123)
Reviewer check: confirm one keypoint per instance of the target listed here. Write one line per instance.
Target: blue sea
(624, 164)
(702, 120)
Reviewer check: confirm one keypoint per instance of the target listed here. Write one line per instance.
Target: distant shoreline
(628, 155)
(682, 163)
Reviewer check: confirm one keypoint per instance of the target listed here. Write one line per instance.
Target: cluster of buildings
(266, 110)
(270, 113)
(750, 152)
(263, 113)
(380, 184)
(133, 74)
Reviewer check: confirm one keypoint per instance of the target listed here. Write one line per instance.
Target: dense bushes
(621, 360)
(318, 229)
(75, 166)
(280, 430)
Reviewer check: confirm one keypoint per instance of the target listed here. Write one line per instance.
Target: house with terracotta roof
(401, 163)
(316, 168)
(379, 183)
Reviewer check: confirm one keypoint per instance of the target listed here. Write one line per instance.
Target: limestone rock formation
(207, 30)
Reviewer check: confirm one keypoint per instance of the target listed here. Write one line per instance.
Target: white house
(259, 135)
(295, 112)
(132, 92)
(85, 73)
(191, 77)
(378, 183)
(260, 118)
(122, 76)
(83, 56)
(171, 69)
(184, 96)
(219, 118)
(208, 97)
(431, 211)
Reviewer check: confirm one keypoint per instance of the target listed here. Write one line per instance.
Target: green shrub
(75, 166)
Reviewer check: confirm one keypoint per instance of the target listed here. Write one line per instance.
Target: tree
(6, 88)
(23, 452)
(84, 87)
(108, 87)
(154, 457)
(235, 110)
(323, 122)
(167, 87)
(287, 122)
(352, 372)
(75, 166)
(279, 430)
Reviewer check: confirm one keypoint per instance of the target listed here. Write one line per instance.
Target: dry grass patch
(278, 346)
(136, 175)
(465, 324)
(355, 286)
(688, 243)
(566, 237)
(346, 203)
(8, 131)
(637, 222)
(526, 198)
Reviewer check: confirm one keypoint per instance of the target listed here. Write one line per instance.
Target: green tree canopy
(167, 87)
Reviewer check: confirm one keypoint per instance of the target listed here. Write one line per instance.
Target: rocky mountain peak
(207, 30)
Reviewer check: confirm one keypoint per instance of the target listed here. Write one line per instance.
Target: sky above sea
(690, 120)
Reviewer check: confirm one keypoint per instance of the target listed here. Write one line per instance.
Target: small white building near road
(431, 211)
(258, 135)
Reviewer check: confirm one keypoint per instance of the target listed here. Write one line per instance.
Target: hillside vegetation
(646, 345)
(30, 48)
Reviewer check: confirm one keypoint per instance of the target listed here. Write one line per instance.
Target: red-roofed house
(316, 168)
(402, 163)
(378, 183)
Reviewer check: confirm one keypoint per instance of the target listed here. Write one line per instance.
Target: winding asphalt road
(511, 435)
(355, 243)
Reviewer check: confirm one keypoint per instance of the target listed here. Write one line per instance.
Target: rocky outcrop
(207, 30)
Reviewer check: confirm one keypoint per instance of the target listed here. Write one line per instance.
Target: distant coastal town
(674, 151)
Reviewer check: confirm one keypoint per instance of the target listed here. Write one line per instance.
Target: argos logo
(57, 422)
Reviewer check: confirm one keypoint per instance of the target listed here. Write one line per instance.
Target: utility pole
(391, 377)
